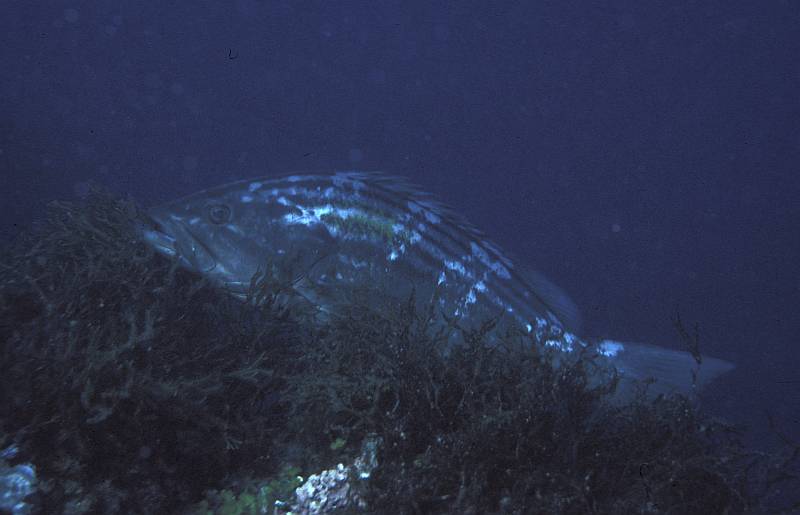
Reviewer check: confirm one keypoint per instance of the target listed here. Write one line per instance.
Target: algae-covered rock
(121, 373)
(133, 385)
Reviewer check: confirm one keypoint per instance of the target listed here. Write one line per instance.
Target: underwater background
(643, 156)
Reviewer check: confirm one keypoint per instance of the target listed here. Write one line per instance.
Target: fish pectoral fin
(555, 300)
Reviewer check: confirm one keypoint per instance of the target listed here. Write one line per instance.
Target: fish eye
(219, 214)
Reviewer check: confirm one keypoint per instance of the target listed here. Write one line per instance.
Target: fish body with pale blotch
(362, 232)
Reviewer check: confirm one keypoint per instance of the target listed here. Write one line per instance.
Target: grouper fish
(371, 234)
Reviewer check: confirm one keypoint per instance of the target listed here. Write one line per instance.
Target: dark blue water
(645, 156)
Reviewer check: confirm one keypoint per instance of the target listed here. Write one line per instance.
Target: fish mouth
(155, 235)
(173, 239)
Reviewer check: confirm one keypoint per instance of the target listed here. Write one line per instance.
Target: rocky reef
(132, 385)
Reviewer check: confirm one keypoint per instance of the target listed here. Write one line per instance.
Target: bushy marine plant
(123, 372)
(507, 428)
(136, 386)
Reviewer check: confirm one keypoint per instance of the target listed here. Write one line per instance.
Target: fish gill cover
(132, 384)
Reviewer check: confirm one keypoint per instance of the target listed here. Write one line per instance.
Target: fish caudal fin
(673, 371)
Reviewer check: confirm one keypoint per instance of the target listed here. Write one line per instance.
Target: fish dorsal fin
(407, 190)
(552, 297)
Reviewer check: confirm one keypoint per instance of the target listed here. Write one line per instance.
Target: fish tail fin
(673, 371)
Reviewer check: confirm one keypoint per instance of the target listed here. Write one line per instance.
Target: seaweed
(500, 425)
(122, 371)
(134, 385)
(253, 497)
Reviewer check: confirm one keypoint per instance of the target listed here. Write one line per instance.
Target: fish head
(216, 233)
